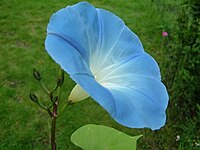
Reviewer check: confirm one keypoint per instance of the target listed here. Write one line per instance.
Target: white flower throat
(78, 94)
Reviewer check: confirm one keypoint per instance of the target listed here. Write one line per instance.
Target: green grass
(22, 33)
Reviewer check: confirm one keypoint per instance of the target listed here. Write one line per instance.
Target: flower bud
(36, 75)
(33, 97)
(60, 82)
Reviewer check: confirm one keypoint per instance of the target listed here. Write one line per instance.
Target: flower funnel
(108, 62)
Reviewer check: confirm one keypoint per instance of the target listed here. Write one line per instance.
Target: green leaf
(98, 137)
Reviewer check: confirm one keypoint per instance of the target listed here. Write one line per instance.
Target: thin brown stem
(53, 127)
(55, 111)
(53, 141)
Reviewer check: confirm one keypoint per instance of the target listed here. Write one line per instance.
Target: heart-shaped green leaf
(98, 137)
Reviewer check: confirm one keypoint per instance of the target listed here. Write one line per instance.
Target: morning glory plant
(108, 62)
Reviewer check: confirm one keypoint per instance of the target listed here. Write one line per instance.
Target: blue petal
(116, 42)
(142, 65)
(78, 25)
(99, 36)
(140, 97)
(136, 109)
(66, 55)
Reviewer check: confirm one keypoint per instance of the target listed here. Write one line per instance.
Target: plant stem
(53, 134)
(54, 114)
(53, 127)
(44, 87)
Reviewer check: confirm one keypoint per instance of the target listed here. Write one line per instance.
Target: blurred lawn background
(22, 33)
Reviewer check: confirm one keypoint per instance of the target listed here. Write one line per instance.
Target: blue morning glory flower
(108, 62)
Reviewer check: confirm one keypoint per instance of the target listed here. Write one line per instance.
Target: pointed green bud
(60, 82)
(33, 97)
(36, 75)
